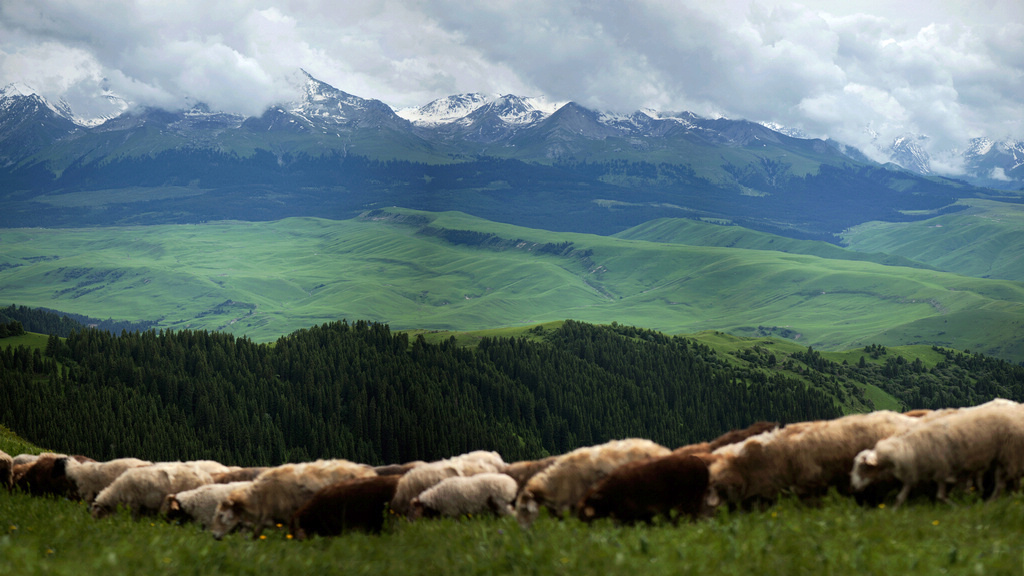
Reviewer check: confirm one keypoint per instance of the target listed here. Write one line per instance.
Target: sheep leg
(902, 496)
(941, 493)
(1000, 483)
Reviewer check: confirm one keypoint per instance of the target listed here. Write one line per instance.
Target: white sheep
(489, 492)
(946, 448)
(804, 458)
(424, 476)
(143, 489)
(561, 486)
(90, 478)
(199, 504)
(277, 493)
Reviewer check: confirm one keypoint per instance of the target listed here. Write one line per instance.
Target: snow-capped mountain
(460, 124)
(1000, 163)
(907, 152)
(445, 110)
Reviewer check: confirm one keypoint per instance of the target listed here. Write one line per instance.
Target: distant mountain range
(520, 160)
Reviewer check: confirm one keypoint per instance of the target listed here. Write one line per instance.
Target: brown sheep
(357, 504)
(275, 495)
(731, 437)
(40, 479)
(561, 486)
(805, 458)
(641, 490)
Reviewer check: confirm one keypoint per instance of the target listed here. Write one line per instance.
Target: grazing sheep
(957, 445)
(198, 504)
(39, 477)
(731, 437)
(6, 470)
(90, 478)
(275, 495)
(26, 458)
(143, 489)
(491, 492)
(211, 467)
(397, 469)
(522, 471)
(357, 504)
(805, 458)
(644, 489)
(426, 475)
(564, 483)
(239, 475)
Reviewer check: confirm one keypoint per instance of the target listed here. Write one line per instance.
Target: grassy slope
(44, 536)
(268, 279)
(986, 240)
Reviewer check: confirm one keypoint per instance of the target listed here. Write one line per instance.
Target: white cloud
(851, 70)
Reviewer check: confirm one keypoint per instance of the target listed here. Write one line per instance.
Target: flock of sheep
(867, 455)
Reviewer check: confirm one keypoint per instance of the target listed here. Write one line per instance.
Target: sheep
(199, 504)
(39, 477)
(426, 475)
(643, 489)
(460, 495)
(212, 467)
(143, 489)
(805, 458)
(731, 437)
(958, 444)
(357, 504)
(397, 469)
(276, 494)
(564, 483)
(239, 475)
(25, 459)
(89, 478)
(524, 470)
(6, 470)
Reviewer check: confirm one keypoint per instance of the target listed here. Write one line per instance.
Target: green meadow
(450, 271)
(47, 536)
(985, 240)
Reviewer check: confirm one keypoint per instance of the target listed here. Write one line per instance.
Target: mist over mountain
(520, 160)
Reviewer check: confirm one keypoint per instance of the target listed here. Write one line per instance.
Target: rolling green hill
(452, 271)
(986, 240)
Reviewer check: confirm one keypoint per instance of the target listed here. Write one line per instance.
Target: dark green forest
(362, 392)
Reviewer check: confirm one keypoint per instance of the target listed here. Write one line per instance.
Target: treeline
(46, 321)
(361, 392)
(961, 379)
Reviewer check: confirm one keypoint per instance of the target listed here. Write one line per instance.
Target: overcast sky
(947, 70)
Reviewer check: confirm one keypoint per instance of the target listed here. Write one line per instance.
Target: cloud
(861, 71)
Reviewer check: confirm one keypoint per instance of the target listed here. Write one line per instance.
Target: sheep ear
(175, 506)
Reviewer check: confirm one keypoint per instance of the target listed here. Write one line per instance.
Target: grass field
(986, 240)
(263, 280)
(46, 536)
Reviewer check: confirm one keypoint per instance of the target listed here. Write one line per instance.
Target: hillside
(985, 240)
(455, 272)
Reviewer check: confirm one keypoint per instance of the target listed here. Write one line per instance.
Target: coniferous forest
(361, 392)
